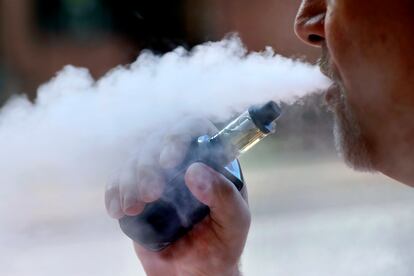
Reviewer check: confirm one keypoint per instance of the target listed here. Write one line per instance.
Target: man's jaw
(349, 138)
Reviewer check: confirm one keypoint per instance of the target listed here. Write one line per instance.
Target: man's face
(367, 49)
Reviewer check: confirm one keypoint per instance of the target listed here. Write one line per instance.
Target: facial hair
(350, 142)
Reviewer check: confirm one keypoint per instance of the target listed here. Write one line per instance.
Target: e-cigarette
(167, 219)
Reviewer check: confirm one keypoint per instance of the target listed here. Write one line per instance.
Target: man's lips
(327, 72)
(332, 96)
(326, 65)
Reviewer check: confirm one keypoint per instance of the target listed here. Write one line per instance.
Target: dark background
(39, 37)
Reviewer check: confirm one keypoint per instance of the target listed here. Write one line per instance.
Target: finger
(128, 189)
(151, 182)
(227, 207)
(245, 194)
(174, 150)
(149, 175)
(112, 201)
(177, 142)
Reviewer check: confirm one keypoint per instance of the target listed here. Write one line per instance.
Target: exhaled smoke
(80, 130)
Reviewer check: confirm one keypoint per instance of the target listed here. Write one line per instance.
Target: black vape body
(169, 218)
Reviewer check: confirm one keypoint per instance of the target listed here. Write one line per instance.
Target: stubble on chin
(349, 139)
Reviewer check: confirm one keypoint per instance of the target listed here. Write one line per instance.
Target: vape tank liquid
(169, 218)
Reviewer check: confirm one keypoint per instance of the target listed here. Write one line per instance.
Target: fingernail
(129, 203)
(114, 208)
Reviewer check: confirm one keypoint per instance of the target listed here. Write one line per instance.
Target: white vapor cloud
(79, 130)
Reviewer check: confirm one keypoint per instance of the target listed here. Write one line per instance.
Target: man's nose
(310, 22)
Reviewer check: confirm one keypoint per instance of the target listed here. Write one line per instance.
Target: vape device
(175, 213)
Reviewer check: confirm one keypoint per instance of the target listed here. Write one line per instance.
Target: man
(366, 50)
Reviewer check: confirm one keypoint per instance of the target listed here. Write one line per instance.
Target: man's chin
(349, 140)
(352, 151)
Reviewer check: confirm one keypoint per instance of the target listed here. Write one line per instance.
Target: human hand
(212, 247)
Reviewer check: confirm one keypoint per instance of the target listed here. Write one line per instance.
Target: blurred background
(311, 214)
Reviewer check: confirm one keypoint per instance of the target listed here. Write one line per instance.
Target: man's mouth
(332, 96)
(324, 67)
(325, 64)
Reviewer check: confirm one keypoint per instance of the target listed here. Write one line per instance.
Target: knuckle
(223, 187)
(247, 218)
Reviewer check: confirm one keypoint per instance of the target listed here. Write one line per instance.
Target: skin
(215, 245)
(366, 49)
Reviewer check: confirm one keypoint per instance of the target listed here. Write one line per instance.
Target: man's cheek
(347, 64)
(337, 44)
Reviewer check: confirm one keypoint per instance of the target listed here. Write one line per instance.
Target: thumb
(227, 206)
